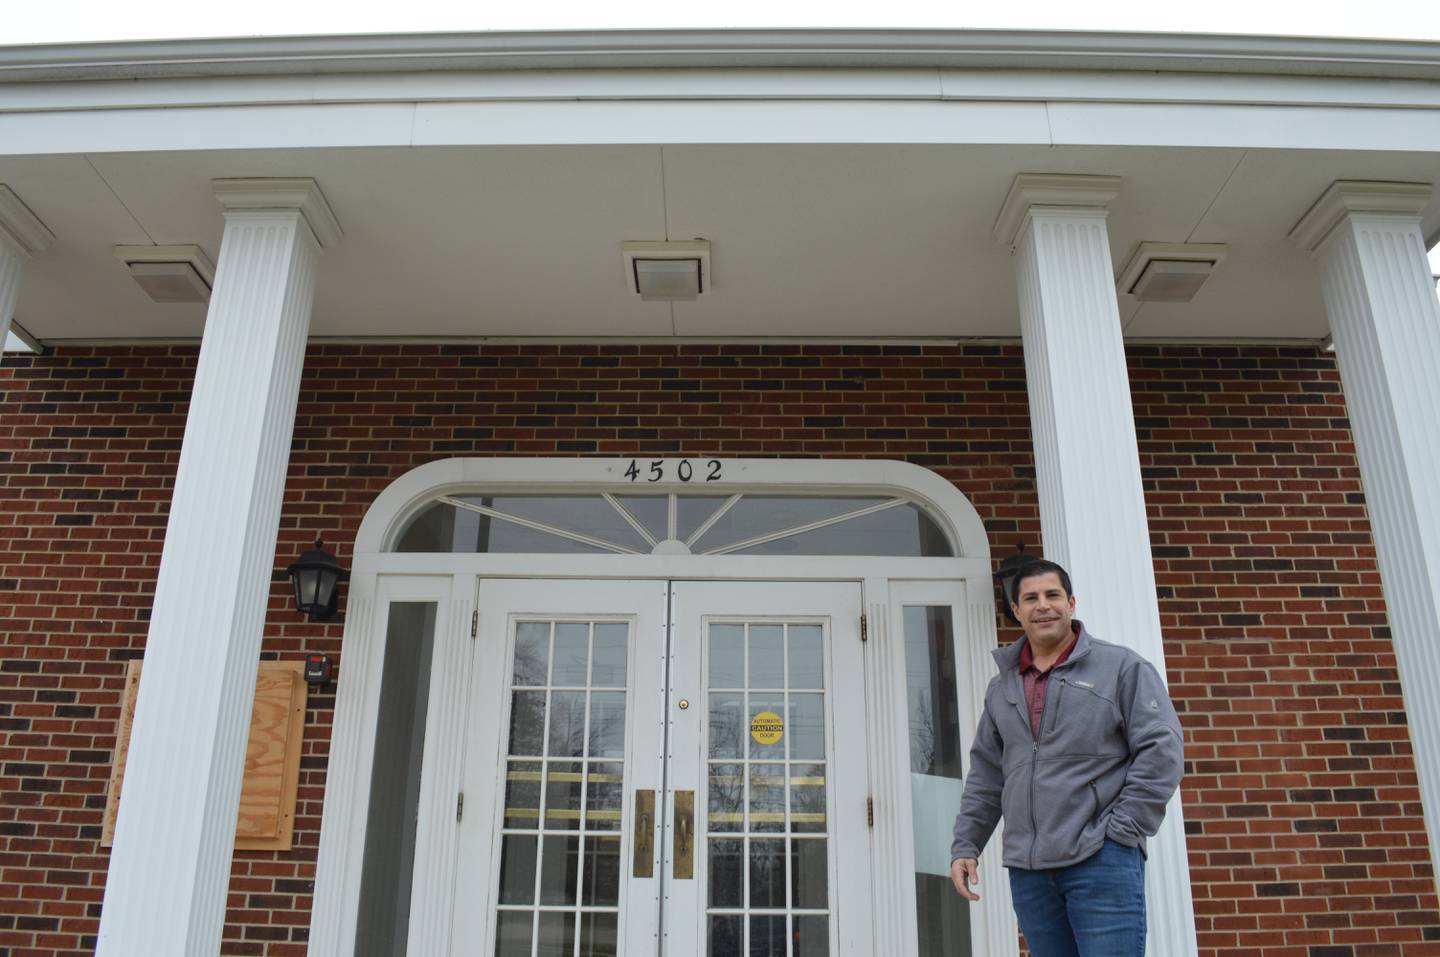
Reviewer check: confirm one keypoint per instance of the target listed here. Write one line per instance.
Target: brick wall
(1305, 829)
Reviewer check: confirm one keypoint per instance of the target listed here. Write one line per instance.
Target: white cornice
(301, 194)
(20, 226)
(1353, 196)
(1051, 190)
(561, 50)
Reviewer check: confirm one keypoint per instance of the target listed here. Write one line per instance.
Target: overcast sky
(56, 21)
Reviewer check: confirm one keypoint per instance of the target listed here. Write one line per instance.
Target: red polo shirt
(1036, 680)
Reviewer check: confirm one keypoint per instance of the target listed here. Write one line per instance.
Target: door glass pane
(542, 524)
(603, 795)
(726, 724)
(812, 937)
(522, 794)
(513, 933)
(527, 722)
(560, 866)
(900, 531)
(936, 779)
(727, 935)
(767, 656)
(532, 653)
(727, 797)
(563, 781)
(767, 874)
(726, 879)
(517, 869)
(607, 724)
(602, 872)
(767, 840)
(599, 935)
(388, 865)
(572, 654)
(588, 515)
(651, 511)
(692, 511)
(762, 514)
(767, 935)
(806, 657)
(555, 935)
(567, 724)
(608, 660)
(727, 656)
(559, 869)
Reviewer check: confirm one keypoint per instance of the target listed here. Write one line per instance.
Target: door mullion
(666, 801)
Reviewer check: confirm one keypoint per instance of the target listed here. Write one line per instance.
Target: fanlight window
(743, 524)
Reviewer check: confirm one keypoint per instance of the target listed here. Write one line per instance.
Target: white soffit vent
(667, 271)
(1169, 272)
(170, 273)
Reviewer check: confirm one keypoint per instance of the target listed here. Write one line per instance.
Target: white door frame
(967, 576)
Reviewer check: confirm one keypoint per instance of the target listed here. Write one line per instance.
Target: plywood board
(122, 749)
(272, 758)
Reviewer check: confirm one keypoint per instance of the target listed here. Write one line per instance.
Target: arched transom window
(758, 523)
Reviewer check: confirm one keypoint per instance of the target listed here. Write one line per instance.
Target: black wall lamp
(317, 577)
(1005, 577)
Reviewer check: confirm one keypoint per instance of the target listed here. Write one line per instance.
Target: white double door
(664, 768)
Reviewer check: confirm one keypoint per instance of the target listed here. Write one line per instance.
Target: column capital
(271, 194)
(1052, 190)
(20, 226)
(1357, 196)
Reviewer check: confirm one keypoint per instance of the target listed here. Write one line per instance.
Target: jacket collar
(1008, 658)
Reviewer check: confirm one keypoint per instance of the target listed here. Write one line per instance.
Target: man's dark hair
(1034, 570)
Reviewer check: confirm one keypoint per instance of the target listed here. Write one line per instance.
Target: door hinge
(870, 812)
(459, 805)
(864, 629)
(474, 622)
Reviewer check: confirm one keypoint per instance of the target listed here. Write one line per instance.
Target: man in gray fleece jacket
(1079, 750)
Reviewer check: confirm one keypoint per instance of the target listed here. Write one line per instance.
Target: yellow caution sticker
(767, 728)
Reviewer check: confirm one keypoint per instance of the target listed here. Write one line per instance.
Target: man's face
(1044, 609)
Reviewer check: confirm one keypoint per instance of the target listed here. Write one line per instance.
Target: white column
(170, 865)
(1087, 462)
(1385, 323)
(21, 235)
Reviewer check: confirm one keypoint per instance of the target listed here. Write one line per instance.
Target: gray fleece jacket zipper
(1107, 771)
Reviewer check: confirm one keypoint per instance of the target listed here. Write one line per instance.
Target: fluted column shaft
(1092, 506)
(22, 234)
(1385, 322)
(170, 866)
(11, 263)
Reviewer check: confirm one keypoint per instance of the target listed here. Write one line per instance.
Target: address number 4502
(684, 470)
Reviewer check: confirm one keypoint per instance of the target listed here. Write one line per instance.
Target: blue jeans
(1092, 909)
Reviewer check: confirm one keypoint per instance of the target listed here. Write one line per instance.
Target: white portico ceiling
(847, 182)
(851, 241)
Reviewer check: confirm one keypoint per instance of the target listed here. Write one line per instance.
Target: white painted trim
(269, 194)
(555, 530)
(1349, 196)
(969, 84)
(808, 527)
(630, 520)
(347, 782)
(342, 829)
(993, 929)
(20, 228)
(1061, 191)
(747, 121)
(652, 49)
(422, 485)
